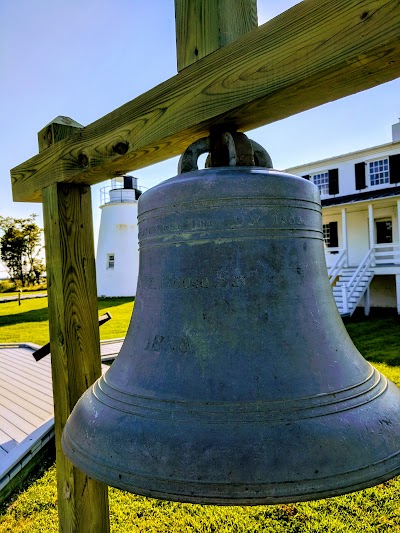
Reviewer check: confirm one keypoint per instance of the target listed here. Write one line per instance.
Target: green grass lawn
(34, 315)
(373, 510)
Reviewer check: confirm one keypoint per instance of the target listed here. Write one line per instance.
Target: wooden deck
(26, 404)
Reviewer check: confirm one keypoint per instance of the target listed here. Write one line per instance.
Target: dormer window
(378, 171)
(321, 180)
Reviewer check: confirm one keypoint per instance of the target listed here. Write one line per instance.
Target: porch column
(344, 236)
(397, 256)
(398, 292)
(371, 227)
(367, 302)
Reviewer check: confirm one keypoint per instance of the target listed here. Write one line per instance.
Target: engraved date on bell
(170, 344)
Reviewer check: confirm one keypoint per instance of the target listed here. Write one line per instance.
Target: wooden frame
(316, 52)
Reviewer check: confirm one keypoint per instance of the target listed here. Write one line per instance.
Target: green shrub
(7, 285)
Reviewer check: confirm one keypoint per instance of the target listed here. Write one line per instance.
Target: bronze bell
(237, 382)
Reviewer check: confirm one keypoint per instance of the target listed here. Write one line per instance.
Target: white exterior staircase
(352, 282)
(349, 289)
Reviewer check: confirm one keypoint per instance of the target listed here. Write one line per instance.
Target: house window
(330, 232)
(379, 171)
(327, 234)
(110, 260)
(321, 180)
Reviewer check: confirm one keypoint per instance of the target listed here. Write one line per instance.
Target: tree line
(20, 247)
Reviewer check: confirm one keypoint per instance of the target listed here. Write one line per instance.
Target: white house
(117, 258)
(360, 196)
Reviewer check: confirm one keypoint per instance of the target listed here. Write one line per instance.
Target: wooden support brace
(74, 342)
(316, 52)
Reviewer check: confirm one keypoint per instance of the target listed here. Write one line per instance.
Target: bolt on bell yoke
(237, 382)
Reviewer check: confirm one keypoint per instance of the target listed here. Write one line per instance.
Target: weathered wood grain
(57, 129)
(74, 341)
(203, 26)
(316, 52)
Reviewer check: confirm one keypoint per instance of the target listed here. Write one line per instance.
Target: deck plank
(6, 443)
(27, 360)
(24, 362)
(26, 395)
(42, 411)
(25, 413)
(19, 380)
(15, 420)
(12, 431)
(24, 391)
(24, 370)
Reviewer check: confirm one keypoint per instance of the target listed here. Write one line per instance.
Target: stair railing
(387, 254)
(336, 267)
(355, 280)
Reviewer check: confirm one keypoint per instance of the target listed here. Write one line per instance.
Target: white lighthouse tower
(117, 260)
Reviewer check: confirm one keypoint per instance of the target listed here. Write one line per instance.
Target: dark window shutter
(333, 235)
(333, 181)
(307, 177)
(394, 168)
(359, 169)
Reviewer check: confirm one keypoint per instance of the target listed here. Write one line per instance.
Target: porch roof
(361, 197)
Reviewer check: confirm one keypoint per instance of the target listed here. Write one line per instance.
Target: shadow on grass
(35, 315)
(106, 303)
(42, 315)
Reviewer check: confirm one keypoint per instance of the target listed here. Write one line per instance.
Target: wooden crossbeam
(316, 52)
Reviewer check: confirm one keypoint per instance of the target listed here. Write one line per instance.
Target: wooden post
(203, 26)
(56, 130)
(74, 342)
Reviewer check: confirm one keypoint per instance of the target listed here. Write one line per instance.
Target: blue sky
(84, 58)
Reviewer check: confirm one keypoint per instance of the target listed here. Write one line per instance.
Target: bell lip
(259, 494)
